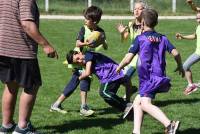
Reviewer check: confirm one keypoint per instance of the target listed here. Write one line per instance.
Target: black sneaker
(28, 130)
(172, 128)
(4, 130)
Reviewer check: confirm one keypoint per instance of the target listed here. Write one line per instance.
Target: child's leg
(68, 90)
(138, 115)
(154, 111)
(84, 87)
(108, 93)
(128, 87)
(192, 59)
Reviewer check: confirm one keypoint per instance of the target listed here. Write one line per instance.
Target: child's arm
(126, 60)
(193, 6)
(123, 31)
(81, 44)
(188, 37)
(178, 60)
(87, 71)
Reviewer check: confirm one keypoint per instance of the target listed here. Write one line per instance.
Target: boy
(92, 17)
(104, 68)
(192, 59)
(151, 47)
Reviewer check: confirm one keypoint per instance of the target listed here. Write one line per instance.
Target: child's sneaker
(4, 130)
(172, 128)
(85, 111)
(57, 109)
(128, 110)
(190, 88)
(28, 130)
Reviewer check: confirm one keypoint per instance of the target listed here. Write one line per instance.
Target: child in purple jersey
(104, 68)
(151, 47)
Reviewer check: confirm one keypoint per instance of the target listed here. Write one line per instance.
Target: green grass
(113, 7)
(62, 35)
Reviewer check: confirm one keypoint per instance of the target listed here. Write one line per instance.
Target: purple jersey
(151, 47)
(103, 67)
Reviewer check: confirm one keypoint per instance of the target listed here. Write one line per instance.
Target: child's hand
(180, 70)
(118, 69)
(189, 1)
(121, 28)
(179, 36)
(89, 44)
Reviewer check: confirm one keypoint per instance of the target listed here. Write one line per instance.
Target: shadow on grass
(71, 125)
(190, 131)
(106, 110)
(169, 102)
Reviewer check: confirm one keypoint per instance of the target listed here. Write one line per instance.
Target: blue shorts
(74, 82)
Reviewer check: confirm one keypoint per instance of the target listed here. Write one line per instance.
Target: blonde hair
(141, 2)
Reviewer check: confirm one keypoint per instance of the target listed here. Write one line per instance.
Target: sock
(83, 106)
(56, 104)
(8, 126)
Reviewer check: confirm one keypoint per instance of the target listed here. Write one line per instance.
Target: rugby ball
(95, 39)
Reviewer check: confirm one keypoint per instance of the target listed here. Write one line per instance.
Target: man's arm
(31, 29)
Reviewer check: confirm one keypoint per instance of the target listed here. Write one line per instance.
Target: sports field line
(106, 17)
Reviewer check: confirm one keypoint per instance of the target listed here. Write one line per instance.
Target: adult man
(19, 39)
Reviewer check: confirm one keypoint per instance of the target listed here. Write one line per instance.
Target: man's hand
(50, 51)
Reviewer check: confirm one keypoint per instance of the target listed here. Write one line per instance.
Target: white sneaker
(85, 111)
(190, 89)
(57, 109)
(128, 109)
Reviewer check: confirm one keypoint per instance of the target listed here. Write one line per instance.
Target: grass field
(106, 120)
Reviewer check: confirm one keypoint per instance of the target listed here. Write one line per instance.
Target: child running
(151, 47)
(133, 29)
(92, 18)
(192, 59)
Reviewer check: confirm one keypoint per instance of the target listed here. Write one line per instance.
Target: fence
(114, 7)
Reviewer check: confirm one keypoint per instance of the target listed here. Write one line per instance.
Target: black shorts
(25, 72)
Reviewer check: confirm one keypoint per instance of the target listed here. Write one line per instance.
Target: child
(92, 17)
(104, 68)
(151, 47)
(193, 6)
(133, 29)
(192, 59)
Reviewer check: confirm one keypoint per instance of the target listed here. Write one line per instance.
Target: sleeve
(80, 35)
(134, 46)
(169, 46)
(88, 56)
(27, 9)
